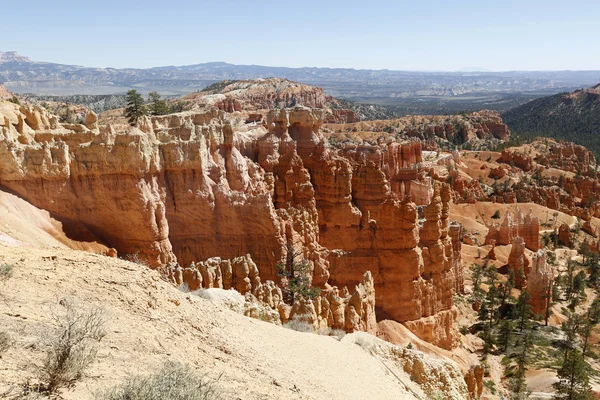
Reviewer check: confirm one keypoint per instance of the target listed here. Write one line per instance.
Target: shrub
(6, 271)
(337, 333)
(173, 382)
(71, 344)
(299, 326)
(5, 342)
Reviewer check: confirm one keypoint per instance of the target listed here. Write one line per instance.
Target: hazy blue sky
(408, 35)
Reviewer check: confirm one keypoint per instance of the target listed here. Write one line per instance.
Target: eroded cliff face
(191, 186)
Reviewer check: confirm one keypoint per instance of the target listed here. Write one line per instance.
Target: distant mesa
(13, 56)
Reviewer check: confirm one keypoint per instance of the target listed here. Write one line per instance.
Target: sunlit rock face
(192, 186)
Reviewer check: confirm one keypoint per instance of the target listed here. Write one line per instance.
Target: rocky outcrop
(539, 283)
(526, 226)
(455, 230)
(333, 308)
(568, 157)
(564, 235)
(240, 273)
(497, 172)
(438, 329)
(492, 253)
(5, 94)
(589, 229)
(342, 117)
(91, 121)
(339, 309)
(516, 158)
(486, 125)
(474, 380)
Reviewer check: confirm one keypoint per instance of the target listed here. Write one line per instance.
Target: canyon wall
(195, 185)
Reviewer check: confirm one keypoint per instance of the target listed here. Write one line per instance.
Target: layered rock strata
(192, 186)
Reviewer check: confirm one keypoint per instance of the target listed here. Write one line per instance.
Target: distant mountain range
(408, 92)
(571, 116)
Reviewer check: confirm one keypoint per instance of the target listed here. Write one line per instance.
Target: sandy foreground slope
(149, 321)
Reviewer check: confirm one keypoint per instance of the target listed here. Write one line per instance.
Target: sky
(445, 35)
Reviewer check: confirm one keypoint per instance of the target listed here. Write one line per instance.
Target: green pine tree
(574, 381)
(156, 105)
(135, 107)
(505, 334)
(523, 309)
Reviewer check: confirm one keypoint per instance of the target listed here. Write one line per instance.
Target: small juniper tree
(295, 274)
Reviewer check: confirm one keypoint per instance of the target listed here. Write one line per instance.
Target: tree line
(136, 107)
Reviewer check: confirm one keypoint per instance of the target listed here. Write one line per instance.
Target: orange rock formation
(539, 283)
(525, 226)
(194, 185)
(518, 262)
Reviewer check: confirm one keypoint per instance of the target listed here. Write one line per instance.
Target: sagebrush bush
(71, 344)
(174, 381)
(5, 342)
(299, 325)
(6, 271)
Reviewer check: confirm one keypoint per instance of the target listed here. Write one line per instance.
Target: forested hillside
(567, 116)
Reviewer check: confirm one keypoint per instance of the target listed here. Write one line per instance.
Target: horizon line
(465, 70)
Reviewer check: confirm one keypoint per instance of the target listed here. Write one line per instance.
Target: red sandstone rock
(474, 380)
(539, 283)
(589, 229)
(187, 187)
(564, 235)
(518, 262)
(513, 157)
(492, 253)
(497, 173)
(525, 226)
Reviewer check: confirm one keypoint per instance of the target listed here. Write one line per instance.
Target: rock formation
(266, 94)
(525, 226)
(474, 380)
(333, 308)
(492, 253)
(564, 235)
(196, 185)
(456, 129)
(5, 94)
(518, 262)
(539, 283)
(516, 158)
